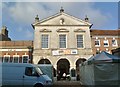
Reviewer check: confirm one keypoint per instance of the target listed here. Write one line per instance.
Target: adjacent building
(14, 51)
(105, 40)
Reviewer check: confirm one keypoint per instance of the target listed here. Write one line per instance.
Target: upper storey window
(106, 43)
(79, 41)
(97, 43)
(114, 42)
(44, 41)
(62, 41)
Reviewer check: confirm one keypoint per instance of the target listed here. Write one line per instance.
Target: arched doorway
(78, 62)
(63, 66)
(44, 61)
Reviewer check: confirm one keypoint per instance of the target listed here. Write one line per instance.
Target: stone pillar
(36, 59)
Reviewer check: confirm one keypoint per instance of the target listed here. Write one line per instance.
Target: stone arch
(63, 66)
(62, 58)
(79, 61)
(44, 61)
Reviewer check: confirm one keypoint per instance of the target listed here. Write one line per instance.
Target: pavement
(67, 84)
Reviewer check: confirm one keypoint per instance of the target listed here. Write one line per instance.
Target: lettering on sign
(64, 52)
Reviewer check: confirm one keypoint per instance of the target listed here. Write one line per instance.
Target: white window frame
(8, 59)
(66, 41)
(99, 43)
(77, 42)
(97, 50)
(14, 57)
(47, 43)
(116, 44)
(27, 59)
(107, 43)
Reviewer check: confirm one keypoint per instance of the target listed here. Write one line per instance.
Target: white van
(23, 75)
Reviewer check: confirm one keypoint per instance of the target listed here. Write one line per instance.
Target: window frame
(15, 56)
(47, 41)
(107, 43)
(27, 58)
(8, 58)
(98, 51)
(116, 44)
(31, 71)
(63, 41)
(77, 40)
(98, 41)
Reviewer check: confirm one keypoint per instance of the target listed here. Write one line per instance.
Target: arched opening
(78, 62)
(63, 66)
(44, 61)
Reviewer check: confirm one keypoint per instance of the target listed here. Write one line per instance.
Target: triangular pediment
(62, 19)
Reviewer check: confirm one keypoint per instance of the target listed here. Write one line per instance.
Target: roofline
(57, 14)
(105, 29)
(63, 25)
(33, 26)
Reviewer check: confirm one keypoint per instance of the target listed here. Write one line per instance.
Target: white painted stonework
(61, 23)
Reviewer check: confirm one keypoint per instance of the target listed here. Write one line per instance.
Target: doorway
(63, 66)
(78, 62)
(44, 61)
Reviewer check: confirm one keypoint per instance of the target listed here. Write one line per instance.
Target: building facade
(16, 51)
(61, 40)
(105, 40)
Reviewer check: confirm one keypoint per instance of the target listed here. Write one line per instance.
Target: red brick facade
(18, 49)
(102, 36)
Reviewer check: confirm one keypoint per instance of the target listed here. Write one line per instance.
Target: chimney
(4, 31)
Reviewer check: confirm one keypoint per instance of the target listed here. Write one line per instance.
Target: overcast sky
(18, 16)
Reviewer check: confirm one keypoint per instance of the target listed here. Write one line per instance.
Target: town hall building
(62, 40)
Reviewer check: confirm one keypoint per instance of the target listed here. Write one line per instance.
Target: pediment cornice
(62, 30)
(79, 30)
(45, 30)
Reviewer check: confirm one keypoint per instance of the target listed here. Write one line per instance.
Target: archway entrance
(78, 62)
(44, 61)
(63, 66)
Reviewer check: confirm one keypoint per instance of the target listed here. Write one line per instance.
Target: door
(30, 77)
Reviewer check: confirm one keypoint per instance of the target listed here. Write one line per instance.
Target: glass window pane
(79, 41)
(25, 59)
(31, 71)
(105, 42)
(6, 59)
(114, 42)
(44, 41)
(62, 41)
(97, 42)
(16, 59)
